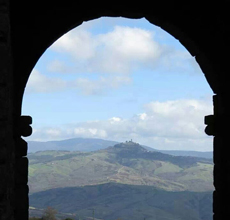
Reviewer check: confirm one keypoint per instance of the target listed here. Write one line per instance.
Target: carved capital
(210, 121)
(24, 127)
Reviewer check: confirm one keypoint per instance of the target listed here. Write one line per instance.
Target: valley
(120, 180)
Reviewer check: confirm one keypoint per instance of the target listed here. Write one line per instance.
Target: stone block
(3, 74)
(2, 129)
(217, 177)
(210, 130)
(3, 3)
(4, 56)
(209, 119)
(3, 117)
(25, 129)
(217, 146)
(3, 208)
(21, 202)
(216, 205)
(3, 155)
(21, 214)
(3, 194)
(25, 120)
(21, 148)
(4, 92)
(4, 23)
(21, 172)
(3, 102)
(3, 7)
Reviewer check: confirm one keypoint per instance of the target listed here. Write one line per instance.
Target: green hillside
(94, 144)
(73, 144)
(112, 201)
(126, 163)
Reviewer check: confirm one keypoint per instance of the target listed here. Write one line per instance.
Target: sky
(119, 79)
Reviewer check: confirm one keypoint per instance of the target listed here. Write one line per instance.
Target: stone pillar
(218, 127)
(6, 118)
(14, 203)
(21, 168)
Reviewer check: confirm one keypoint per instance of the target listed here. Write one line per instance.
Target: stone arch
(170, 28)
(30, 29)
(46, 37)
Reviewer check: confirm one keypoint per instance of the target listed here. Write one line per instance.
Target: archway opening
(123, 62)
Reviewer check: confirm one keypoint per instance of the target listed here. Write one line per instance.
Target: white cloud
(121, 51)
(174, 124)
(114, 120)
(39, 83)
(53, 132)
(78, 43)
(58, 66)
(99, 86)
(118, 51)
(111, 56)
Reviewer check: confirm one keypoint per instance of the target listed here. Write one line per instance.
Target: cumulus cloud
(121, 50)
(58, 66)
(78, 43)
(118, 51)
(174, 124)
(111, 56)
(40, 83)
(99, 86)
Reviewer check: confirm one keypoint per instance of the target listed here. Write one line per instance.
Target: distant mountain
(74, 144)
(93, 144)
(202, 154)
(208, 154)
(112, 201)
(127, 163)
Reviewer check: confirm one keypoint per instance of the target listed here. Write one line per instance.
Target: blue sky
(117, 79)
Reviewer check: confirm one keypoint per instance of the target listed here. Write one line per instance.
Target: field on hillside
(125, 181)
(53, 169)
(112, 201)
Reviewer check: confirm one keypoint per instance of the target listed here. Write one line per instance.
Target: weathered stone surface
(3, 115)
(210, 130)
(21, 148)
(26, 131)
(21, 202)
(217, 142)
(24, 128)
(209, 119)
(204, 32)
(2, 131)
(4, 20)
(4, 92)
(3, 154)
(25, 120)
(4, 56)
(22, 170)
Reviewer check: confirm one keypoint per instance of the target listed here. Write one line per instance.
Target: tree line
(50, 214)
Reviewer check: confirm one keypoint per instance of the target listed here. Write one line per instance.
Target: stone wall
(26, 30)
(6, 118)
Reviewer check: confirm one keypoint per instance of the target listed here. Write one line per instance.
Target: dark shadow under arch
(203, 30)
(52, 28)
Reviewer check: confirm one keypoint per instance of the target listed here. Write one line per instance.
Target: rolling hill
(73, 144)
(94, 144)
(127, 163)
(125, 181)
(111, 201)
